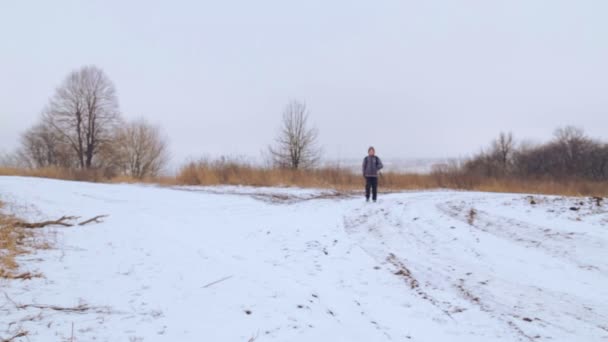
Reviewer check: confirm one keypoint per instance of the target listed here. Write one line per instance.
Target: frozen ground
(244, 264)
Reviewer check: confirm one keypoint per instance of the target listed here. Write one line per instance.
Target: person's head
(371, 151)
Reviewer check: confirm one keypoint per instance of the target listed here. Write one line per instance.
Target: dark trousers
(371, 183)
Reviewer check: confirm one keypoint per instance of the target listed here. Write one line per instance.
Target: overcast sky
(413, 78)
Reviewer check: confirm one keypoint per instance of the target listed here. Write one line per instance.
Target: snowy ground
(244, 264)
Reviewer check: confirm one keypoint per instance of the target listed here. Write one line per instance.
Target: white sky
(413, 78)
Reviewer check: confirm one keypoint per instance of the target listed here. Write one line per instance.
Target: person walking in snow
(371, 169)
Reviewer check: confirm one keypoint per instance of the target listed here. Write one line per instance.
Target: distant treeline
(570, 155)
(82, 135)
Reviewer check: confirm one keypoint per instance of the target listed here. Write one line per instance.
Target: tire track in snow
(529, 235)
(418, 229)
(555, 244)
(383, 252)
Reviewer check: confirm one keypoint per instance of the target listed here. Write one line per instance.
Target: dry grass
(236, 172)
(545, 187)
(11, 245)
(230, 173)
(215, 173)
(15, 241)
(56, 173)
(93, 175)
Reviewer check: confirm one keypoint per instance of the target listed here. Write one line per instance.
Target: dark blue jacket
(371, 166)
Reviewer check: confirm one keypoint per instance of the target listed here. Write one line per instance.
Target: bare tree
(41, 146)
(573, 149)
(10, 160)
(598, 165)
(296, 144)
(83, 112)
(502, 150)
(140, 149)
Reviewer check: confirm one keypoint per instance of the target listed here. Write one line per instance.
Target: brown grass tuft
(15, 241)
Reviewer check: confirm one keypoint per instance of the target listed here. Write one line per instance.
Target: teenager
(371, 168)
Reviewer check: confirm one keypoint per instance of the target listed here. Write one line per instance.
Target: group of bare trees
(81, 127)
(570, 154)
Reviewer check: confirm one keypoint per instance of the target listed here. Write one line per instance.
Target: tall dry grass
(56, 173)
(15, 241)
(10, 241)
(571, 187)
(236, 172)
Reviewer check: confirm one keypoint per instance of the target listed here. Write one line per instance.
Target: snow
(285, 264)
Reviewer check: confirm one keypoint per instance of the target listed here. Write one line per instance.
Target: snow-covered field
(245, 264)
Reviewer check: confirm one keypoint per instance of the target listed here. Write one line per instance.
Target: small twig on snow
(62, 221)
(59, 222)
(217, 281)
(254, 337)
(78, 308)
(96, 219)
(21, 276)
(19, 334)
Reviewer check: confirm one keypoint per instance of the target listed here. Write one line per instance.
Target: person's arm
(379, 164)
(364, 166)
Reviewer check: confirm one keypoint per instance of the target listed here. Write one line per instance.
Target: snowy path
(234, 264)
